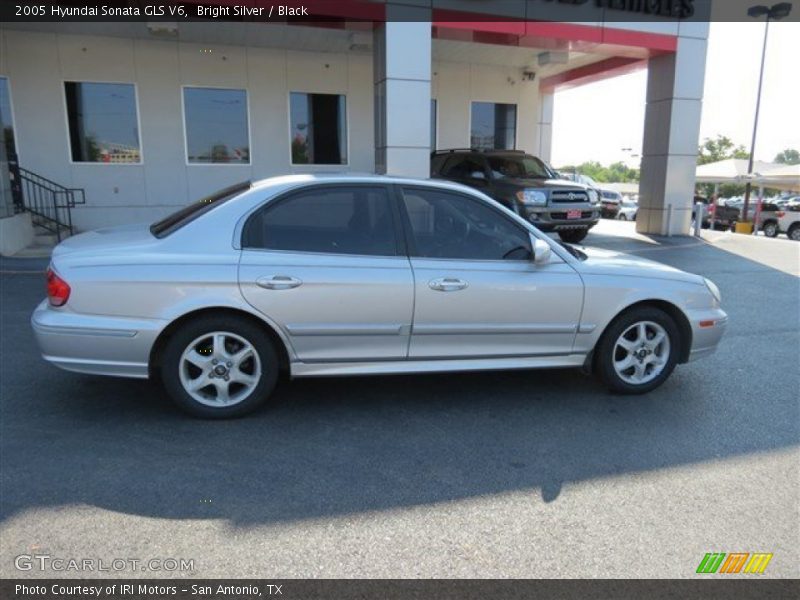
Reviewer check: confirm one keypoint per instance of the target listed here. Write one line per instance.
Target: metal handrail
(49, 203)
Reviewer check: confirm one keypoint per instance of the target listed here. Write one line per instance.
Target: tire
(206, 349)
(622, 217)
(794, 232)
(770, 229)
(573, 236)
(654, 371)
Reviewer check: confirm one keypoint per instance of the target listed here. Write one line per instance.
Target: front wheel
(770, 229)
(219, 366)
(622, 217)
(573, 236)
(794, 232)
(638, 351)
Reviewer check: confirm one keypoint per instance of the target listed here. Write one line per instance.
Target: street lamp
(773, 13)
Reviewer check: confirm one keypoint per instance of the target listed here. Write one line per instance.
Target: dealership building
(144, 117)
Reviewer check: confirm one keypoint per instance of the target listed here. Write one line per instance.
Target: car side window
(463, 167)
(327, 219)
(454, 226)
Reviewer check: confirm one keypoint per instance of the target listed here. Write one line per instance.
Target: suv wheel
(770, 229)
(638, 351)
(219, 366)
(794, 232)
(573, 236)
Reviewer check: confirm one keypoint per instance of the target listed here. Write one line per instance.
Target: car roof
(285, 181)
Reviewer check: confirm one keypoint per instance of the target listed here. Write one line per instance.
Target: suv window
(522, 167)
(185, 215)
(449, 225)
(329, 219)
(462, 167)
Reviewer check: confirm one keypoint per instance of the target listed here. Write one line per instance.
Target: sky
(731, 86)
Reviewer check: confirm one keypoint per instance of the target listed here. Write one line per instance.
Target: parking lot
(504, 474)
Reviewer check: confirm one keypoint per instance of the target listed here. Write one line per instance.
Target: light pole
(773, 13)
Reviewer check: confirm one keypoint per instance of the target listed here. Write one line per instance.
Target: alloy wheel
(641, 353)
(219, 369)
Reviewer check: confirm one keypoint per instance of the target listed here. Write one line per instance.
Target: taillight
(57, 289)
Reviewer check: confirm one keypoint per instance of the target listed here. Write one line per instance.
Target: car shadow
(338, 446)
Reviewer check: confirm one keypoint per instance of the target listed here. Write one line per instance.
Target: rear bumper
(95, 344)
(708, 327)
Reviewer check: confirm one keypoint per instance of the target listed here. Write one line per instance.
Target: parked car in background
(610, 202)
(524, 184)
(789, 221)
(720, 215)
(628, 210)
(768, 219)
(355, 275)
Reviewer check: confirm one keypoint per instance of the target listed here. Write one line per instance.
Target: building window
(494, 126)
(217, 130)
(433, 124)
(6, 119)
(103, 123)
(319, 129)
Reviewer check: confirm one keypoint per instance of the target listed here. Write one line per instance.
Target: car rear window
(179, 218)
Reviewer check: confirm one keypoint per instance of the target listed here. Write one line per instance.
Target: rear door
(325, 265)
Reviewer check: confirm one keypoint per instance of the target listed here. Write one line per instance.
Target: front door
(324, 265)
(477, 292)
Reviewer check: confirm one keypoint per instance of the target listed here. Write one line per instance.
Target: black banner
(741, 588)
(298, 11)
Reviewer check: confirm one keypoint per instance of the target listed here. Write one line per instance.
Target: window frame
(472, 102)
(346, 129)
(246, 91)
(12, 115)
(411, 244)
(66, 122)
(399, 232)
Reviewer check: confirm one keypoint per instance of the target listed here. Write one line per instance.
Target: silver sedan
(354, 275)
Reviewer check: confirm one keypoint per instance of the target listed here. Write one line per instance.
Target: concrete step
(35, 251)
(45, 238)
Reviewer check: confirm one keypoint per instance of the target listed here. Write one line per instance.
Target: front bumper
(708, 327)
(554, 218)
(95, 344)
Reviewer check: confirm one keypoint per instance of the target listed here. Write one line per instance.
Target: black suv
(524, 184)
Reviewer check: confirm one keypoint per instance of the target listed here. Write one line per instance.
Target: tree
(790, 156)
(719, 148)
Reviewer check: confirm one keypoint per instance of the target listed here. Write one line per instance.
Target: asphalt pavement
(505, 474)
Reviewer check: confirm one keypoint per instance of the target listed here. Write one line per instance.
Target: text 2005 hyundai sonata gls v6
(351, 275)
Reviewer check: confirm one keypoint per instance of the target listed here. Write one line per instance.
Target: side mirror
(478, 175)
(541, 252)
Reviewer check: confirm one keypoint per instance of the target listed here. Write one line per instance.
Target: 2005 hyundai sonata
(351, 275)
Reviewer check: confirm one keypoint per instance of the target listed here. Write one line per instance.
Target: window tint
(183, 216)
(493, 126)
(103, 126)
(437, 161)
(216, 126)
(319, 129)
(333, 220)
(463, 167)
(511, 167)
(6, 121)
(447, 225)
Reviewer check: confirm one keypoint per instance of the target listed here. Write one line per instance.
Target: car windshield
(518, 167)
(181, 217)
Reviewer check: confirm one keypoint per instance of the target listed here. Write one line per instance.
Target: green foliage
(617, 172)
(790, 156)
(719, 148)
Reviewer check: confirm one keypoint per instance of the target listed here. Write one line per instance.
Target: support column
(402, 80)
(672, 129)
(545, 126)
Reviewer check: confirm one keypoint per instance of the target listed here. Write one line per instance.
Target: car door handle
(278, 282)
(447, 284)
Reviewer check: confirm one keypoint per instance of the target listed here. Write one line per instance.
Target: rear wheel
(573, 236)
(219, 366)
(794, 232)
(638, 351)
